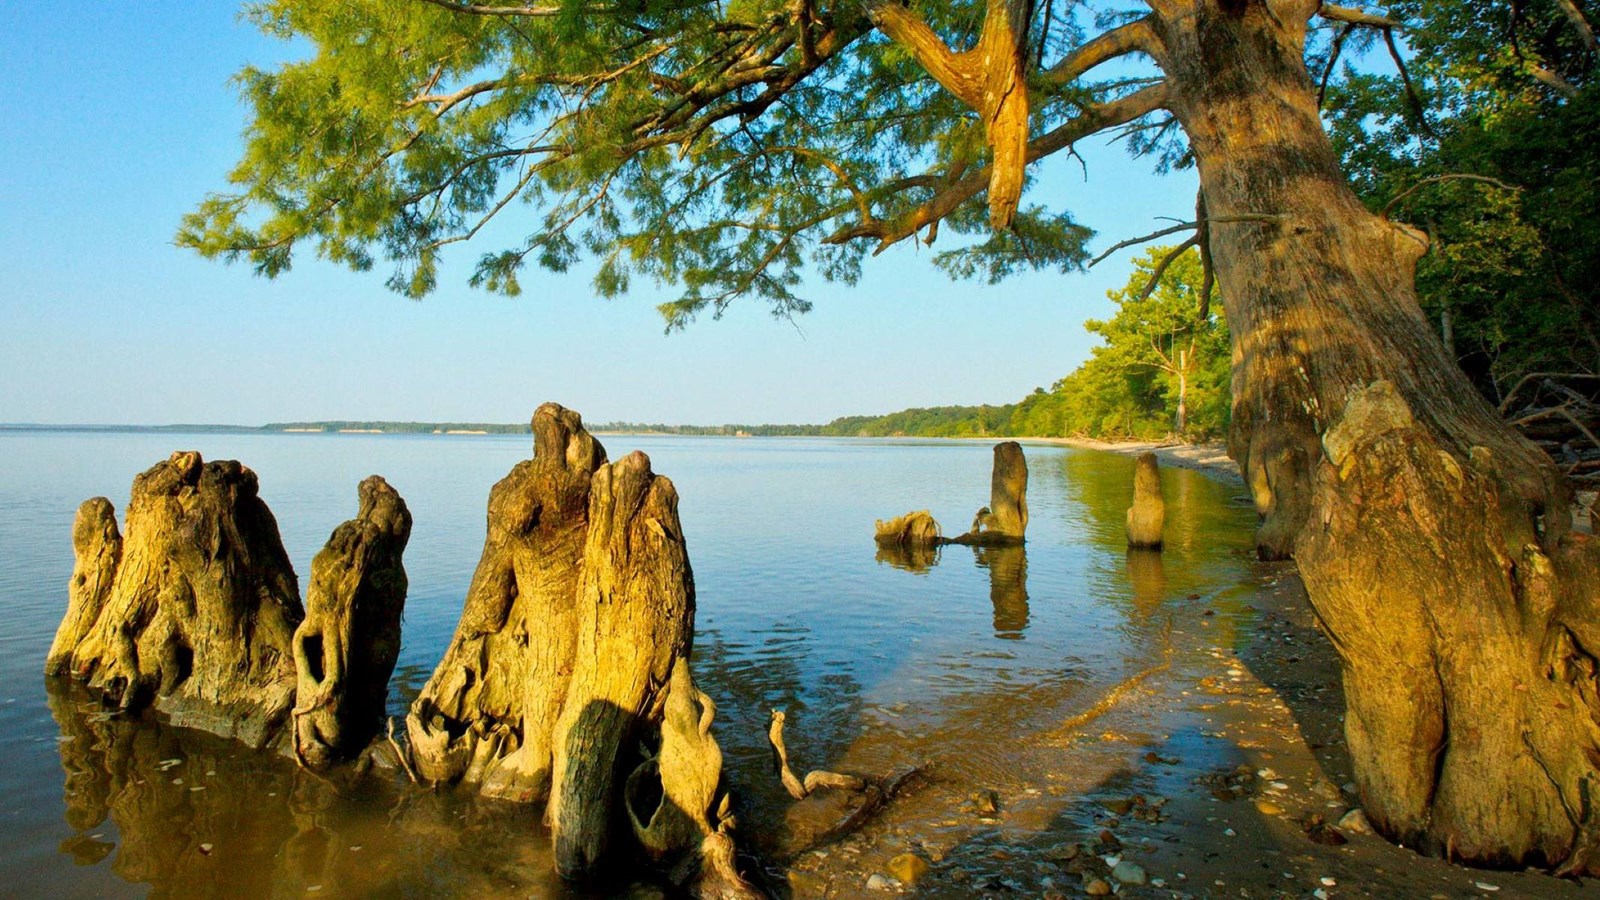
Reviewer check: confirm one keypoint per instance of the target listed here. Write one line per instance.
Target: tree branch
(1435, 179)
(1166, 261)
(478, 9)
(1135, 37)
(1355, 16)
(1575, 15)
(1093, 119)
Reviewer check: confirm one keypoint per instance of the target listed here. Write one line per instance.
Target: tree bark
(198, 618)
(1433, 540)
(346, 648)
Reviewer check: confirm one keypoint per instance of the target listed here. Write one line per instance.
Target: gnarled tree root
(876, 792)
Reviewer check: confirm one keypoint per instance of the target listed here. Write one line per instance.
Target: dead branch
(1166, 261)
(1544, 377)
(1435, 179)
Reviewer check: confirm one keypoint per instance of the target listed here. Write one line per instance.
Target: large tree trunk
(1433, 540)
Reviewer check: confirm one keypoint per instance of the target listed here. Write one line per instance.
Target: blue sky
(117, 121)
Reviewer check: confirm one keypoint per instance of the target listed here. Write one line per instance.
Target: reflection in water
(195, 815)
(1008, 588)
(1147, 576)
(918, 558)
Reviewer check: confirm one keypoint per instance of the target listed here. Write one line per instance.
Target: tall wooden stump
(1148, 514)
(195, 615)
(570, 666)
(1004, 522)
(1008, 493)
(346, 648)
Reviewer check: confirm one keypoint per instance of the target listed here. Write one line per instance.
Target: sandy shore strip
(1210, 458)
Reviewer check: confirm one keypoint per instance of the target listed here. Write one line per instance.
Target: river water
(969, 662)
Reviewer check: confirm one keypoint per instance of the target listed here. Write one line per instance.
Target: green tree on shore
(1161, 371)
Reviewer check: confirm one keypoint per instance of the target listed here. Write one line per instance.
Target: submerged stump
(1005, 520)
(346, 648)
(1148, 514)
(569, 670)
(193, 611)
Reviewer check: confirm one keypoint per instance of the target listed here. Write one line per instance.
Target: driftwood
(193, 611)
(911, 531)
(868, 795)
(346, 648)
(1148, 514)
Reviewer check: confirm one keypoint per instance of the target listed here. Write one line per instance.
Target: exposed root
(399, 753)
(798, 789)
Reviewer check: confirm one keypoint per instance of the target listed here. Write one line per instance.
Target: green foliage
(694, 145)
(1129, 387)
(1509, 94)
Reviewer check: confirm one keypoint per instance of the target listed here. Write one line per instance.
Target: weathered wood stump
(96, 551)
(910, 531)
(195, 615)
(488, 714)
(570, 666)
(346, 647)
(1148, 514)
(1005, 520)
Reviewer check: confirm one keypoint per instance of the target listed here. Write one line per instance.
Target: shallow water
(878, 662)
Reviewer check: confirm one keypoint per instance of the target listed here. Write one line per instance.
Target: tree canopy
(1491, 144)
(725, 149)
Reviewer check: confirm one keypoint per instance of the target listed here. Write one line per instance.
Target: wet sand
(1221, 772)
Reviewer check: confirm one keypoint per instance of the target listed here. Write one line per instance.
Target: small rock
(1268, 808)
(1328, 882)
(907, 868)
(1129, 872)
(881, 883)
(987, 803)
(1117, 807)
(1355, 822)
(206, 849)
(1065, 852)
(1097, 888)
(1486, 886)
(1229, 832)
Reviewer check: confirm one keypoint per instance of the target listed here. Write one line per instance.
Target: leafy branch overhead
(722, 148)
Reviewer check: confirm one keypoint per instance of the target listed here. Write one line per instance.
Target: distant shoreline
(1211, 458)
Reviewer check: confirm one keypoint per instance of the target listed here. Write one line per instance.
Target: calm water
(960, 660)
